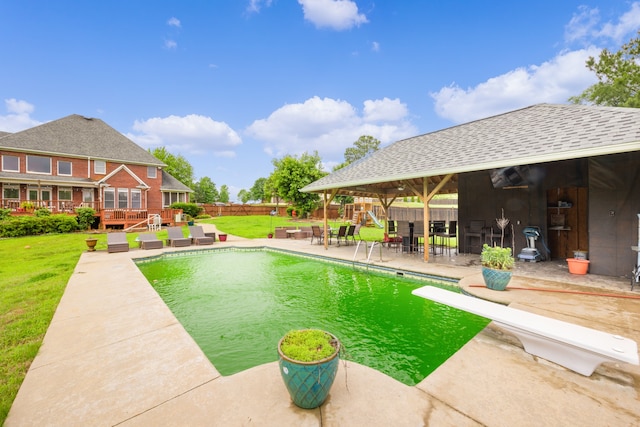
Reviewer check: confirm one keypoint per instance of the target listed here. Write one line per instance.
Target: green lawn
(258, 226)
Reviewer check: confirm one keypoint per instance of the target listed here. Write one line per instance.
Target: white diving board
(573, 346)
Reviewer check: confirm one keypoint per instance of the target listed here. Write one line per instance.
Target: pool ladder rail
(366, 246)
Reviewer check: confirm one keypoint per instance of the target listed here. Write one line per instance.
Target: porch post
(425, 200)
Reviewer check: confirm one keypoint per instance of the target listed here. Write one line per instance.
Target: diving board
(573, 346)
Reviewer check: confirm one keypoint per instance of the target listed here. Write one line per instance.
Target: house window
(87, 197)
(123, 198)
(38, 164)
(109, 198)
(99, 167)
(152, 172)
(64, 168)
(10, 163)
(136, 199)
(64, 193)
(32, 193)
(10, 192)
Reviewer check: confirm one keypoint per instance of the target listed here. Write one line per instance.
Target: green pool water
(238, 304)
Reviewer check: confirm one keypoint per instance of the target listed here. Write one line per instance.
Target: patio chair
(352, 232)
(444, 237)
(149, 241)
(117, 242)
(198, 237)
(342, 234)
(392, 229)
(475, 230)
(317, 233)
(176, 238)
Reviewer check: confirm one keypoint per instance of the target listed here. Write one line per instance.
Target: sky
(232, 85)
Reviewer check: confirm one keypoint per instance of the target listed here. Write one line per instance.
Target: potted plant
(308, 360)
(27, 206)
(497, 261)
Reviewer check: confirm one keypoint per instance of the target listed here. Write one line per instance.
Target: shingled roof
(536, 134)
(78, 136)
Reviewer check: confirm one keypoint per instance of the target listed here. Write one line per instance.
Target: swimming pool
(237, 304)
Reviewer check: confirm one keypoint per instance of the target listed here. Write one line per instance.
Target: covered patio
(538, 165)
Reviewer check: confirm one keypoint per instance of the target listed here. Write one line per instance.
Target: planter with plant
(308, 360)
(27, 206)
(497, 261)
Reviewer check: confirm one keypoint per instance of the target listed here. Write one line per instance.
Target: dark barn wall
(613, 204)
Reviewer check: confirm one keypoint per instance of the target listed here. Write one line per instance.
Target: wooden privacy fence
(417, 214)
(246, 210)
(396, 213)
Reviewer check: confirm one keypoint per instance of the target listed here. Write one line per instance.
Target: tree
(619, 78)
(293, 173)
(205, 191)
(224, 194)
(365, 145)
(177, 166)
(257, 192)
(244, 196)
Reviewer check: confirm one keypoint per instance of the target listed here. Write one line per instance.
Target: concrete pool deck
(114, 354)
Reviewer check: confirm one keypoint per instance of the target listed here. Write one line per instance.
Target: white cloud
(336, 14)
(255, 5)
(19, 117)
(170, 44)
(329, 126)
(627, 24)
(585, 26)
(552, 82)
(193, 134)
(375, 46)
(174, 22)
(384, 110)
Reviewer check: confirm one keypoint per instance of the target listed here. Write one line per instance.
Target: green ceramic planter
(309, 383)
(496, 279)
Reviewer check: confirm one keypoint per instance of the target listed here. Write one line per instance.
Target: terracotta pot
(578, 266)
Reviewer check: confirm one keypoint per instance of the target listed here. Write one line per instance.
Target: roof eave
(500, 163)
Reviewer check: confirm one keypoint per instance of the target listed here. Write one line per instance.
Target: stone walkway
(114, 354)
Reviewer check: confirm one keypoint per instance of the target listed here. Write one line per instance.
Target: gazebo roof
(536, 134)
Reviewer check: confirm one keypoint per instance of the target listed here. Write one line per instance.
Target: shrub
(31, 225)
(85, 217)
(40, 212)
(190, 209)
(5, 214)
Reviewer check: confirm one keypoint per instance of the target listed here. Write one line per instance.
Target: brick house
(83, 162)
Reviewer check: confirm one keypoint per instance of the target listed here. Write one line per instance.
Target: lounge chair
(117, 242)
(176, 238)
(149, 241)
(198, 237)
